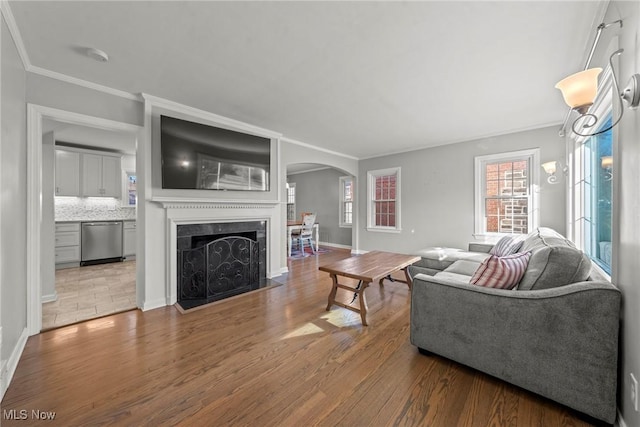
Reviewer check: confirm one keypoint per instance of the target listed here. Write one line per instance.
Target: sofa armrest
(561, 342)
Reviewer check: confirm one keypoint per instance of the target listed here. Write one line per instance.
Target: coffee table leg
(408, 277)
(332, 294)
(363, 304)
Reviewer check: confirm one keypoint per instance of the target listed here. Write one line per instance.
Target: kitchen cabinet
(129, 239)
(67, 243)
(67, 173)
(100, 175)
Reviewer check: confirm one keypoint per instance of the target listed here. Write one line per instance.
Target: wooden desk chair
(296, 233)
(306, 234)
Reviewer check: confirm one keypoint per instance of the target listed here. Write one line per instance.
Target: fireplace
(219, 260)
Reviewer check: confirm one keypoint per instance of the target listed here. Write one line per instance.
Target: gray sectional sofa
(555, 334)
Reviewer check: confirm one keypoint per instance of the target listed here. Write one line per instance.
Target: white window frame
(532, 156)
(602, 106)
(371, 188)
(343, 201)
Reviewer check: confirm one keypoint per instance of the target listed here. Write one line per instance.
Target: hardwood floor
(271, 358)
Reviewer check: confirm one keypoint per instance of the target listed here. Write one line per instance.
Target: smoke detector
(97, 54)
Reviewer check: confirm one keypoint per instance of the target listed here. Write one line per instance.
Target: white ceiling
(359, 78)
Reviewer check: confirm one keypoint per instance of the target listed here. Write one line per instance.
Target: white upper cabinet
(67, 169)
(111, 176)
(101, 175)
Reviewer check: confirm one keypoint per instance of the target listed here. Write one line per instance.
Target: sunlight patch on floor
(306, 329)
(342, 318)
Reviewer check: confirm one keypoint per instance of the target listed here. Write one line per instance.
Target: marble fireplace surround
(199, 212)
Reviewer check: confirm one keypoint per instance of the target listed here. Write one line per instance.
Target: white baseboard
(620, 421)
(150, 305)
(50, 298)
(283, 270)
(8, 367)
(335, 245)
(358, 252)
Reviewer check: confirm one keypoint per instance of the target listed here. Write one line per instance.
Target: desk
(297, 225)
(366, 269)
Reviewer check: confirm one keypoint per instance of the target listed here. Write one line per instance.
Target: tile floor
(89, 292)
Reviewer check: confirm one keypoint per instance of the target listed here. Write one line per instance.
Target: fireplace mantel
(180, 211)
(175, 203)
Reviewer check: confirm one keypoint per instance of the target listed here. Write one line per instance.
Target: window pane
(492, 187)
(597, 193)
(492, 224)
(505, 187)
(492, 206)
(348, 195)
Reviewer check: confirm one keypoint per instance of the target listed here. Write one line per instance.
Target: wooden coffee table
(376, 265)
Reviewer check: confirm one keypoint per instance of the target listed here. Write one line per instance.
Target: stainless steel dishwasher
(101, 242)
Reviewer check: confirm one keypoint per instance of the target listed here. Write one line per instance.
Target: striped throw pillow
(507, 245)
(501, 272)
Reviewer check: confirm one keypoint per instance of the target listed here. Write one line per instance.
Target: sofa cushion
(508, 245)
(439, 258)
(501, 272)
(460, 279)
(555, 261)
(463, 266)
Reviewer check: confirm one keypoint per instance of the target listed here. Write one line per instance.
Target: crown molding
(84, 83)
(470, 139)
(15, 33)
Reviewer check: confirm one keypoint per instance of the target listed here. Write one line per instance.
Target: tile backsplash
(80, 209)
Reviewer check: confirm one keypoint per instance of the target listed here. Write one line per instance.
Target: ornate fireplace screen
(222, 268)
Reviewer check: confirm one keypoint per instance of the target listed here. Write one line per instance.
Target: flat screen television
(204, 157)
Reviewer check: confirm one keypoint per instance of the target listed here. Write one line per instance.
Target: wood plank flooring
(271, 358)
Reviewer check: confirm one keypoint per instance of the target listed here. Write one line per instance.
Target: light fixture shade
(549, 167)
(580, 89)
(607, 162)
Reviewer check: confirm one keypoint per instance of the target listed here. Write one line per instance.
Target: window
(291, 201)
(506, 200)
(383, 207)
(591, 192)
(346, 201)
(131, 191)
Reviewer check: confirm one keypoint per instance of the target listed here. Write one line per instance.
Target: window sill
(385, 230)
(493, 237)
(345, 225)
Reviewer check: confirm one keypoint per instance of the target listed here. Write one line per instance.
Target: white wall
(437, 191)
(319, 192)
(626, 204)
(13, 203)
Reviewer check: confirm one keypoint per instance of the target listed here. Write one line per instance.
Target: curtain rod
(599, 29)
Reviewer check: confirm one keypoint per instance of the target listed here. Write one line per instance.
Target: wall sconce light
(551, 168)
(184, 164)
(579, 90)
(607, 165)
